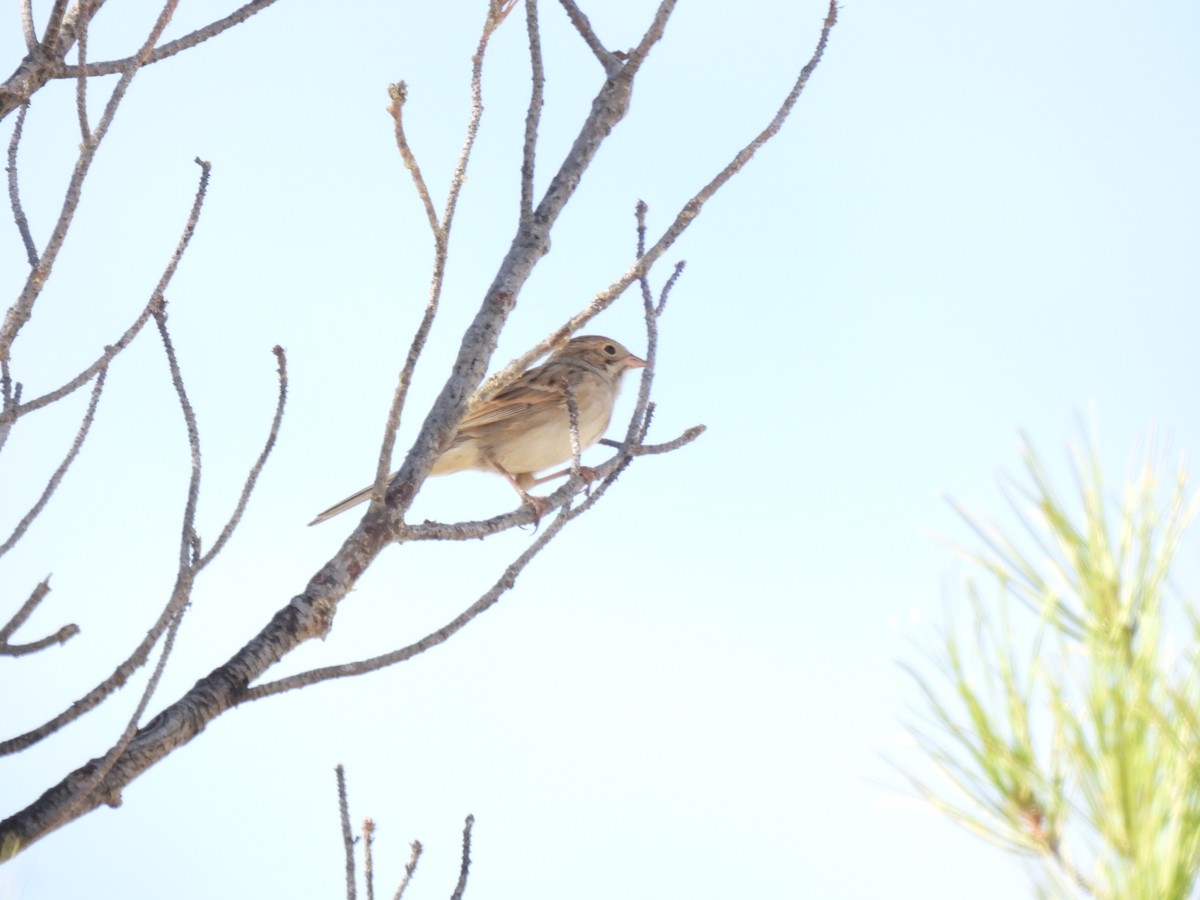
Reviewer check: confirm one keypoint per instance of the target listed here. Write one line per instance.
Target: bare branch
(81, 80)
(461, 887)
(18, 314)
(398, 93)
(27, 25)
(110, 352)
(408, 870)
(690, 211)
(169, 618)
(189, 229)
(347, 835)
(22, 615)
(368, 862)
(52, 485)
(64, 634)
(84, 795)
(533, 116)
(71, 24)
(528, 246)
(158, 54)
(153, 307)
(61, 636)
(638, 423)
(502, 585)
(637, 56)
(310, 613)
(14, 188)
(256, 469)
(54, 23)
(666, 288)
(584, 27)
(670, 446)
(532, 241)
(43, 61)
(609, 471)
(573, 427)
(85, 790)
(692, 208)
(93, 698)
(186, 544)
(497, 12)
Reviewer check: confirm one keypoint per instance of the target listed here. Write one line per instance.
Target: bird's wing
(515, 400)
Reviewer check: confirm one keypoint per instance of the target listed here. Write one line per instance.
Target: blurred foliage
(1066, 727)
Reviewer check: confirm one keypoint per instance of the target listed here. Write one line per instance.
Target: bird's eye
(610, 349)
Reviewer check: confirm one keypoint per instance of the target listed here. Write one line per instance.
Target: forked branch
(310, 613)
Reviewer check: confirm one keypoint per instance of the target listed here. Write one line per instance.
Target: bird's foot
(539, 505)
(588, 474)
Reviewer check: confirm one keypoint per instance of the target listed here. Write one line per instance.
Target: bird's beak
(634, 363)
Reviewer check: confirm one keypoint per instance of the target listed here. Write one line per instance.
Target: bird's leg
(587, 473)
(539, 504)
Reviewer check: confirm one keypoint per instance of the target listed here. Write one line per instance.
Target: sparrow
(526, 428)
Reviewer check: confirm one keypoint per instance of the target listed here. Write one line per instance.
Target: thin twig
(175, 609)
(533, 115)
(19, 313)
(14, 188)
(154, 305)
(684, 218)
(22, 615)
(461, 887)
(347, 835)
(441, 232)
(503, 584)
(398, 93)
(408, 870)
(368, 862)
(256, 469)
(474, 530)
(52, 484)
(573, 427)
(102, 362)
(646, 419)
(584, 27)
(634, 59)
(61, 636)
(81, 32)
(12, 398)
(470, 531)
(120, 675)
(193, 434)
(189, 229)
(637, 423)
(98, 770)
(666, 288)
(188, 556)
(169, 49)
(64, 634)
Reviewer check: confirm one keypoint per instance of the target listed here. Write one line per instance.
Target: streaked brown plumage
(525, 428)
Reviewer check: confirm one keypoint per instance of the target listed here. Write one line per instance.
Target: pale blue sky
(981, 219)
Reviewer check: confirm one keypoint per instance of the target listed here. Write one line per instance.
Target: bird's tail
(353, 500)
